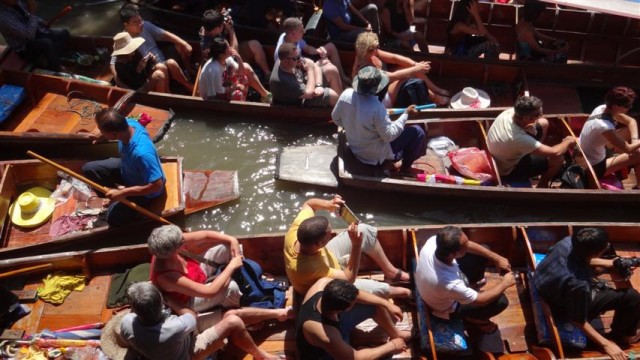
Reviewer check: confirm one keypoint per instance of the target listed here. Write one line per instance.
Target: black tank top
(308, 312)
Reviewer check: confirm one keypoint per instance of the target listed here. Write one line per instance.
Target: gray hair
(164, 240)
(146, 302)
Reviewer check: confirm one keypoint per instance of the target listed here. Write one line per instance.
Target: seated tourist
(599, 133)
(136, 27)
(332, 309)
(396, 18)
(564, 280)
(216, 24)
(372, 137)
(135, 71)
(346, 19)
(449, 273)
(515, 140)
(311, 253)
(534, 45)
(327, 56)
(29, 36)
(368, 53)
(467, 35)
(225, 76)
(137, 175)
(158, 335)
(298, 82)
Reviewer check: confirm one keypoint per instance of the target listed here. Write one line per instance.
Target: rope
(86, 108)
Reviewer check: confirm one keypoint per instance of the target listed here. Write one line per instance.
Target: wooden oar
(25, 270)
(195, 83)
(102, 189)
(592, 173)
(62, 13)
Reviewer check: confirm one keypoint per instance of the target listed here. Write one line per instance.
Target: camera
(226, 14)
(624, 266)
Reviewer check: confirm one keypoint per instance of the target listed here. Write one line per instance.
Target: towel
(58, 286)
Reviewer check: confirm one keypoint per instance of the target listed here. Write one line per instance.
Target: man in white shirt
(515, 140)
(373, 138)
(447, 266)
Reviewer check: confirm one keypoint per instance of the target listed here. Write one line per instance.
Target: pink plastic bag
(472, 163)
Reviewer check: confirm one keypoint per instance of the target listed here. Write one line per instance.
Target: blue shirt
(332, 9)
(564, 282)
(140, 161)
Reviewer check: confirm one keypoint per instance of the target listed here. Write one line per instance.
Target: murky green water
(250, 146)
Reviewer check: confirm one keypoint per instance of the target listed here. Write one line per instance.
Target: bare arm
(198, 242)
(556, 150)
(316, 204)
(629, 122)
(486, 297)
(500, 261)
(611, 348)
(171, 37)
(619, 143)
(350, 272)
(139, 190)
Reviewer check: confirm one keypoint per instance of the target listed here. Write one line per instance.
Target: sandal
(440, 100)
(397, 278)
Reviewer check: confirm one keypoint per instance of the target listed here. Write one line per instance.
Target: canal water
(250, 146)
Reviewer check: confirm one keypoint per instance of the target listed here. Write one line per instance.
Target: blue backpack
(256, 291)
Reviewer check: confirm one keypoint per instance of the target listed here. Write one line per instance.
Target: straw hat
(471, 98)
(112, 344)
(32, 208)
(124, 44)
(370, 80)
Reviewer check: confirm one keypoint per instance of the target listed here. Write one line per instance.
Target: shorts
(318, 102)
(528, 167)
(600, 168)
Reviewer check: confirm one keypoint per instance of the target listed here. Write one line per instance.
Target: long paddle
(102, 189)
(592, 173)
(396, 111)
(62, 13)
(25, 270)
(195, 83)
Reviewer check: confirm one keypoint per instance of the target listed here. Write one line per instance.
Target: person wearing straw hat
(137, 175)
(33, 208)
(150, 331)
(515, 140)
(373, 138)
(470, 98)
(136, 71)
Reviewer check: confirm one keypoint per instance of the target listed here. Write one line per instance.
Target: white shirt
(211, 80)
(170, 339)
(439, 284)
(591, 140)
(508, 143)
(367, 126)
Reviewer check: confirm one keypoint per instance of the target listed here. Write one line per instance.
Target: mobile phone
(348, 215)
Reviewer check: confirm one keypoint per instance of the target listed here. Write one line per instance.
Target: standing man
(373, 138)
(295, 82)
(136, 27)
(449, 272)
(28, 35)
(310, 253)
(564, 280)
(332, 309)
(136, 175)
(515, 140)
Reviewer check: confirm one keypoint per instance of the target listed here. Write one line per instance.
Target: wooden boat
(187, 191)
(89, 305)
(516, 324)
(319, 165)
(58, 111)
(517, 327)
(594, 38)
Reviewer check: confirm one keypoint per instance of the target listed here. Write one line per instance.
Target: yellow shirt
(304, 270)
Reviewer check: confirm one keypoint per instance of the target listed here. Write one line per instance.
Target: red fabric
(194, 273)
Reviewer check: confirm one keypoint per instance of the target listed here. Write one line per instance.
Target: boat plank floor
(512, 320)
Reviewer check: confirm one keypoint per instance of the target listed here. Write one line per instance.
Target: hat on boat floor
(33, 207)
(470, 98)
(124, 44)
(112, 343)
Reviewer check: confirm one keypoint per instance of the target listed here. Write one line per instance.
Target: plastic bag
(472, 163)
(441, 145)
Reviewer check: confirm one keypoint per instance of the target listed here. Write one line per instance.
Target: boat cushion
(569, 334)
(448, 335)
(10, 97)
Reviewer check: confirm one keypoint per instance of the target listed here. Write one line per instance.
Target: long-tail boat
(58, 111)
(517, 326)
(319, 165)
(187, 191)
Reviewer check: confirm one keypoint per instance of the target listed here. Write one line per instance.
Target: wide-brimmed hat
(471, 98)
(32, 208)
(370, 80)
(112, 343)
(124, 44)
